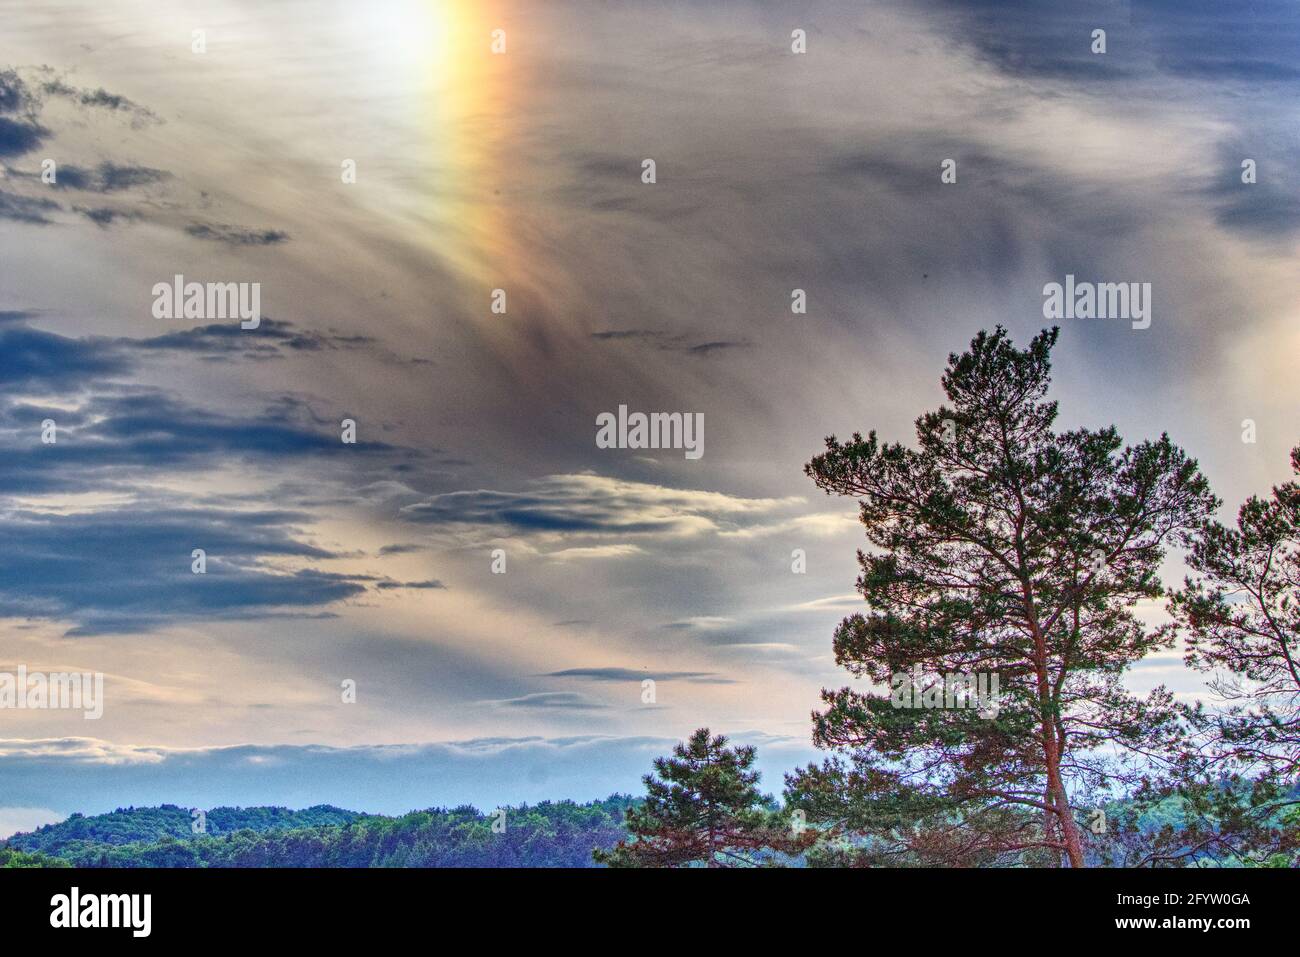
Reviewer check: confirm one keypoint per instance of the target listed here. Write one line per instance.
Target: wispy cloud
(593, 505)
(237, 235)
(630, 674)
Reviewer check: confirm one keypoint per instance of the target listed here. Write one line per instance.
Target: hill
(550, 834)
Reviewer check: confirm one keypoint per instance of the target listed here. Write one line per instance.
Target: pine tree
(1005, 549)
(703, 806)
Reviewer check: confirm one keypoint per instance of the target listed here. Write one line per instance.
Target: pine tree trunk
(1051, 754)
(1049, 823)
(1064, 814)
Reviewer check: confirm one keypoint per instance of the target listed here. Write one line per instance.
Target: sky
(224, 156)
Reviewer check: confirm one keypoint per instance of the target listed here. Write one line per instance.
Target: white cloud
(595, 551)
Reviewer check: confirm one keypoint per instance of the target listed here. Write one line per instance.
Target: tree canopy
(1005, 548)
(703, 807)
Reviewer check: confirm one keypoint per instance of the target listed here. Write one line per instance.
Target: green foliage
(550, 834)
(1003, 548)
(1240, 615)
(13, 858)
(1184, 822)
(149, 824)
(703, 808)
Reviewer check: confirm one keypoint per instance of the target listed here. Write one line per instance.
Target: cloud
(592, 505)
(45, 362)
(701, 623)
(833, 602)
(614, 335)
(21, 209)
(104, 216)
(110, 432)
(109, 439)
(15, 95)
(815, 524)
(389, 779)
(125, 567)
(709, 348)
(1269, 207)
(667, 342)
(1189, 39)
(20, 136)
(123, 570)
(101, 98)
(273, 339)
(548, 701)
(402, 548)
(76, 751)
(629, 674)
(108, 177)
(595, 551)
(237, 235)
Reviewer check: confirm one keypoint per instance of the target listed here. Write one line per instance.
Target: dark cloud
(21, 209)
(20, 136)
(114, 570)
(273, 339)
(14, 93)
(665, 341)
(588, 504)
(1269, 207)
(44, 362)
(617, 334)
(403, 548)
(129, 569)
(117, 434)
(237, 235)
(107, 177)
(100, 98)
(112, 177)
(709, 348)
(1200, 39)
(104, 216)
(525, 512)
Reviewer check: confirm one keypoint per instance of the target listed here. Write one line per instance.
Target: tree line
(549, 834)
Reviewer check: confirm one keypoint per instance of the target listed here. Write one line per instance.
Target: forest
(560, 834)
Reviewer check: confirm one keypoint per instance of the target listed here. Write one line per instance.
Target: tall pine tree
(1000, 547)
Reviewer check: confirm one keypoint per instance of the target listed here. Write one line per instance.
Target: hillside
(147, 824)
(550, 834)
